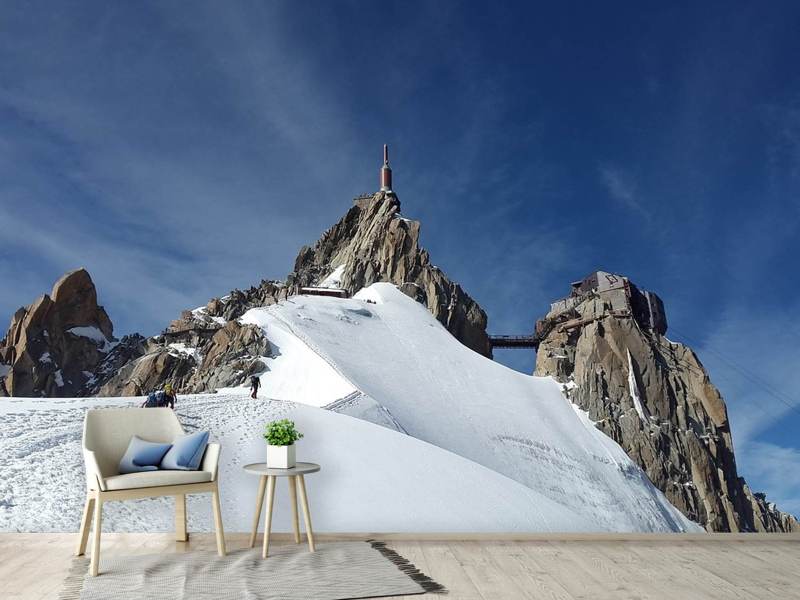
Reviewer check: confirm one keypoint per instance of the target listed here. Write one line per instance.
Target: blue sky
(178, 150)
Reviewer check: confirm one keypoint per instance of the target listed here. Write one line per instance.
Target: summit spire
(386, 171)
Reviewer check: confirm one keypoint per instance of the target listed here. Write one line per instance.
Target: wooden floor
(33, 565)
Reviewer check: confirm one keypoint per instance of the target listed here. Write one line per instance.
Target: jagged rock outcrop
(192, 360)
(219, 311)
(54, 346)
(150, 372)
(606, 343)
(206, 348)
(129, 348)
(373, 243)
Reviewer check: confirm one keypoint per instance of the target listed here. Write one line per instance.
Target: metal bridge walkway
(513, 341)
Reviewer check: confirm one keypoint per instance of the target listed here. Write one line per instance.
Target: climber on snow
(255, 383)
(161, 398)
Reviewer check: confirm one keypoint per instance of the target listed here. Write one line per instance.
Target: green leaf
(281, 433)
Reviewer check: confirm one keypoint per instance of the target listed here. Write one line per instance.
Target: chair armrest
(94, 476)
(210, 462)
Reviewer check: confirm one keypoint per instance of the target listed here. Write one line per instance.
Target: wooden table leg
(301, 487)
(293, 500)
(262, 485)
(268, 517)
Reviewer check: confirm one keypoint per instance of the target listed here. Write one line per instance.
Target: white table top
(300, 468)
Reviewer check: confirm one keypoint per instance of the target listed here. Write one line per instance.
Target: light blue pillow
(186, 452)
(142, 455)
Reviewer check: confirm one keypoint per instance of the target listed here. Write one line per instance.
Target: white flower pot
(280, 457)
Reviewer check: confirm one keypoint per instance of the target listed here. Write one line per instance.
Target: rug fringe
(73, 584)
(407, 567)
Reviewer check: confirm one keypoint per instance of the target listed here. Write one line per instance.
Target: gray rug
(336, 571)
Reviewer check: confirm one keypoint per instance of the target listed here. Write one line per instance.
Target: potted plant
(281, 436)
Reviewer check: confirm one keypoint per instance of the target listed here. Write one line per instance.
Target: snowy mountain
(607, 342)
(207, 348)
(499, 451)
(372, 479)
(411, 374)
(405, 354)
(61, 342)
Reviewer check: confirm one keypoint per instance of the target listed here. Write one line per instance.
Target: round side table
(297, 485)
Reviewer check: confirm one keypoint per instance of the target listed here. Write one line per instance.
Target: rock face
(373, 243)
(192, 360)
(68, 337)
(54, 346)
(206, 348)
(606, 343)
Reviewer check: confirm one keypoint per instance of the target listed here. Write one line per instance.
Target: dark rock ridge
(192, 360)
(55, 346)
(206, 349)
(605, 342)
(374, 243)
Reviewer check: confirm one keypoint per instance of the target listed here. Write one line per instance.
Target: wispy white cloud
(778, 469)
(125, 173)
(623, 188)
(759, 386)
(751, 355)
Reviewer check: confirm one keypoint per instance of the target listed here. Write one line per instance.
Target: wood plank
(486, 575)
(445, 568)
(32, 566)
(655, 577)
(517, 564)
(617, 580)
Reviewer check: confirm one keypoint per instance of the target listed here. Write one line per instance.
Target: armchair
(106, 434)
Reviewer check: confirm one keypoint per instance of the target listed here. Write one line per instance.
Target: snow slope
(94, 334)
(392, 350)
(372, 478)
(334, 280)
(487, 448)
(297, 373)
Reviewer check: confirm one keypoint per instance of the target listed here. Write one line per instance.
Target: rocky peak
(206, 348)
(605, 342)
(373, 242)
(54, 345)
(75, 300)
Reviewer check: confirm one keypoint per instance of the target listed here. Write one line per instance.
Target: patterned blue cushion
(142, 455)
(186, 452)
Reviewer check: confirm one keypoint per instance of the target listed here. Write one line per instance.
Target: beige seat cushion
(155, 478)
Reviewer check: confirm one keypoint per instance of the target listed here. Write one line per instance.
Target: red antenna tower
(386, 171)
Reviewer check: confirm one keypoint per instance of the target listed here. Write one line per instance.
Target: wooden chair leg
(218, 522)
(262, 485)
(181, 535)
(94, 564)
(301, 487)
(86, 523)
(293, 501)
(268, 516)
